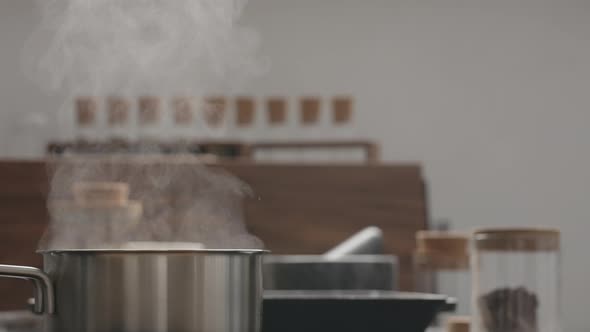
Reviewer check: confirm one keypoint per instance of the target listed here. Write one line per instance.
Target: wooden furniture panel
(309, 209)
(295, 209)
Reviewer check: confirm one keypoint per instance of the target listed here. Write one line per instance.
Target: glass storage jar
(516, 280)
(441, 264)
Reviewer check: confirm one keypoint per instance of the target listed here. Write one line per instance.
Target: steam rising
(182, 200)
(133, 47)
(142, 46)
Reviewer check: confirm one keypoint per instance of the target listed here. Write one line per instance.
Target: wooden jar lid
(447, 242)
(444, 250)
(517, 239)
(458, 324)
(101, 193)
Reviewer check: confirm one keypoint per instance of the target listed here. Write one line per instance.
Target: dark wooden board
(295, 209)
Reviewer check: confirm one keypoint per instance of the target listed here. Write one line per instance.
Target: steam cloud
(182, 200)
(142, 46)
(133, 47)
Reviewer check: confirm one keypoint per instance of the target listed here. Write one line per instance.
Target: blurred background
(483, 104)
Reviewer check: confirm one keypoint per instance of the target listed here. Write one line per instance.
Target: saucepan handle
(44, 293)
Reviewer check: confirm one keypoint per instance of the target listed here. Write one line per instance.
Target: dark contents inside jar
(509, 310)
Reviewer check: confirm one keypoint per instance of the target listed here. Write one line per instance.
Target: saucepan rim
(156, 251)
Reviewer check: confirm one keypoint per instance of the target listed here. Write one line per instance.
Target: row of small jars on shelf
(119, 111)
(184, 110)
(151, 117)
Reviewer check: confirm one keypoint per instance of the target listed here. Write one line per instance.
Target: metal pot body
(144, 291)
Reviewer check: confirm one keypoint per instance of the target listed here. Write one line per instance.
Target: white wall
(490, 95)
(20, 98)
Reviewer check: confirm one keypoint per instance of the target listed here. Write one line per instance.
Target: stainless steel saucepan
(147, 290)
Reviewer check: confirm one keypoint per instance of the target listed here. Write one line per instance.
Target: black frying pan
(371, 311)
